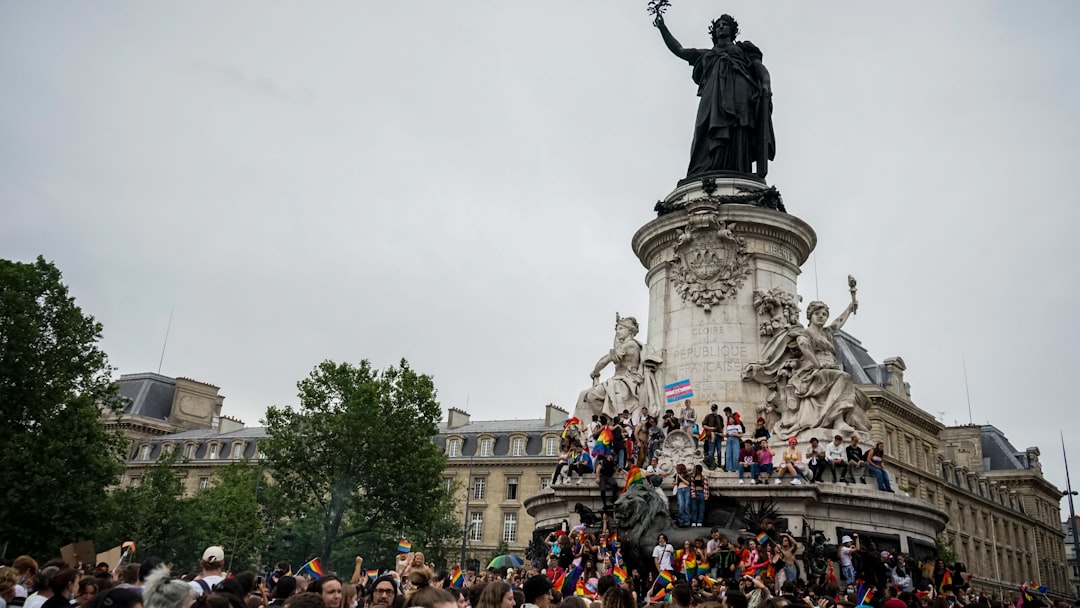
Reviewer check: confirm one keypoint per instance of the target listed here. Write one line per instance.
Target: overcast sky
(457, 183)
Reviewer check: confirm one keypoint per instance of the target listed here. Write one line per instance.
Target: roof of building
(528, 425)
(856, 360)
(147, 394)
(533, 428)
(998, 454)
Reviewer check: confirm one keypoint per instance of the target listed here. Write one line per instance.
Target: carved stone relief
(710, 262)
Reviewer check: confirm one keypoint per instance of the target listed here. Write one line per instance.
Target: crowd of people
(583, 568)
(723, 443)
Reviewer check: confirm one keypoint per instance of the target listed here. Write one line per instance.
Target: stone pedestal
(705, 261)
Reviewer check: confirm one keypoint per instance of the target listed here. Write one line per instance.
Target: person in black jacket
(856, 463)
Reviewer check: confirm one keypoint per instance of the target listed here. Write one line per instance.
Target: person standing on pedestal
(733, 430)
(688, 418)
(605, 478)
(714, 428)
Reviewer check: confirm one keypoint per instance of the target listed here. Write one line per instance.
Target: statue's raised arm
(669, 40)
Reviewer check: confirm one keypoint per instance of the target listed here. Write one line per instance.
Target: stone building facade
(163, 414)
(1004, 517)
(494, 465)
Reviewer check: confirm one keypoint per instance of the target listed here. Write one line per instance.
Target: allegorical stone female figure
(633, 384)
(813, 392)
(733, 128)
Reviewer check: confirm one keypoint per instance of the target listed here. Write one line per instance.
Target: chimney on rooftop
(554, 414)
(456, 418)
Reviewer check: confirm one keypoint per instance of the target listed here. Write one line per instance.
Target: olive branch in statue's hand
(656, 8)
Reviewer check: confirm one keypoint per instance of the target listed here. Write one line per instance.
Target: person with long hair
(63, 585)
(699, 493)
(682, 493)
(496, 594)
(875, 463)
(160, 591)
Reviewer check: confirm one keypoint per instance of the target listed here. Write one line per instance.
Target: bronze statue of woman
(733, 129)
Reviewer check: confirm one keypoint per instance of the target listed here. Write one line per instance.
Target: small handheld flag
(457, 580)
(619, 573)
(665, 578)
(313, 569)
(404, 546)
(762, 538)
(633, 477)
(373, 574)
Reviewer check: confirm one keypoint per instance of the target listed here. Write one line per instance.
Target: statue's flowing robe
(728, 132)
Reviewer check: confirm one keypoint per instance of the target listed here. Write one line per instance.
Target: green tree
(154, 514)
(356, 455)
(56, 459)
(227, 513)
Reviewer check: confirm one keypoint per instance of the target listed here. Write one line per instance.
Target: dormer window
(212, 451)
(517, 446)
(238, 451)
(453, 448)
(487, 447)
(144, 452)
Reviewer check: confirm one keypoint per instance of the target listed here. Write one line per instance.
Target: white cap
(213, 555)
(846, 539)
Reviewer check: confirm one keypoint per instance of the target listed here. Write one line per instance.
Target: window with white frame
(518, 446)
(545, 482)
(551, 446)
(204, 482)
(453, 448)
(167, 448)
(486, 447)
(212, 451)
(511, 488)
(476, 526)
(134, 482)
(189, 450)
(238, 451)
(509, 527)
(144, 453)
(479, 488)
(448, 483)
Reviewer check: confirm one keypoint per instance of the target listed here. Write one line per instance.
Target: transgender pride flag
(677, 391)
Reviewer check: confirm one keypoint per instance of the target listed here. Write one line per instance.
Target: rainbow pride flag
(662, 596)
(404, 546)
(945, 580)
(457, 579)
(312, 569)
(570, 579)
(569, 423)
(373, 574)
(762, 538)
(633, 477)
(665, 578)
(602, 446)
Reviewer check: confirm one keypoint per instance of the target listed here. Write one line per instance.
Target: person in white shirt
(212, 561)
(815, 459)
(662, 554)
(836, 458)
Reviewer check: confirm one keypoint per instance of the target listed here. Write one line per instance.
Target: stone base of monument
(895, 521)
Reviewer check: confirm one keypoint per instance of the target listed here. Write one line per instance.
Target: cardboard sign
(111, 557)
(80, 552)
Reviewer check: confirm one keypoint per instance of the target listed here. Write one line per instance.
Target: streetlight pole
(1072, 513)
(465, 516)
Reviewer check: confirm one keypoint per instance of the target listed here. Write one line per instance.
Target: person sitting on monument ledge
(580, 463)
(815, 460)
(761, 431)
(875, 462)
(836, 458)
(790, 459)
(856, 461)
(748, 462)
(765, 456)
